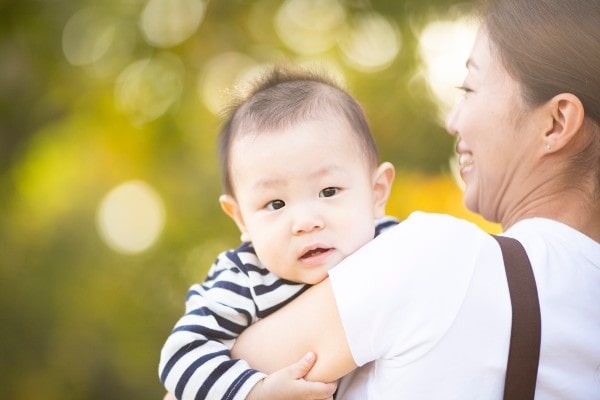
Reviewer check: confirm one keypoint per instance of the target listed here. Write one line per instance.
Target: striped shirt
(195, 361)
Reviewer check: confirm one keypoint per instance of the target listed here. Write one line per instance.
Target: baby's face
(305, 195)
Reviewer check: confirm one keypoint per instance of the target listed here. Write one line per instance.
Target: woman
(424, 309)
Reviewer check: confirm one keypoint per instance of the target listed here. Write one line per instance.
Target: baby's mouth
(313, 253)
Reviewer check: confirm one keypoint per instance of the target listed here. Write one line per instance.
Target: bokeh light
(99, 42)
(131, 217)
(217, 83)
(372, 43)
(167, 23)
(310, 26)
(87, 36)
(147, 88)
(444, 47)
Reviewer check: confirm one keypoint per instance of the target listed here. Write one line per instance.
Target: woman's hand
(289, 384)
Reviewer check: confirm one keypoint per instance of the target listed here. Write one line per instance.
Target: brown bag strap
(525, 335)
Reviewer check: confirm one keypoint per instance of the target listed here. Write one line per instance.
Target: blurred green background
(108, 176)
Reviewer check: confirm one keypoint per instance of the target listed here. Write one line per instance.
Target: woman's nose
(451, 120)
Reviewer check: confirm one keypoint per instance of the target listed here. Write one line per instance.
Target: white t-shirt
(428, 302)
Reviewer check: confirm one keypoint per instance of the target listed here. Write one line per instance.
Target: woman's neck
(572, 208)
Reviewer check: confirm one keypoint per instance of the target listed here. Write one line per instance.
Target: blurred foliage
(79, 320)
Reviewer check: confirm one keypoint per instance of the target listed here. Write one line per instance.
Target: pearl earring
(548, 147)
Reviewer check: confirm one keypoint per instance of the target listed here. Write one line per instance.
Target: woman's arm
(311, 323)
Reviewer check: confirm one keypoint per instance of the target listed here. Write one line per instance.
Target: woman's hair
(284, 96)
(552, 47)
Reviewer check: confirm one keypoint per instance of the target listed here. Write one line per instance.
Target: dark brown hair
(552, 47)
(284, 96)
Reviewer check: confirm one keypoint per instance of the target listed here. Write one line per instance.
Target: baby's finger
(301, 368)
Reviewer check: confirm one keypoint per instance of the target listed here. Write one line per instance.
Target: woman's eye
(465, 89)
(329, 192)
(275, 204)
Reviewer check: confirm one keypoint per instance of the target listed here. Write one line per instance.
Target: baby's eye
(275, 204)
(329, 192)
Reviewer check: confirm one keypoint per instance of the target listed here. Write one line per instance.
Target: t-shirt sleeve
(400, 293)
(195, 359)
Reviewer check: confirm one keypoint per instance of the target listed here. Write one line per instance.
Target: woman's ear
(382, 185)
(567, 117)
(231, 208)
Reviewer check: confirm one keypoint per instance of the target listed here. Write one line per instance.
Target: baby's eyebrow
(271, 183)
(266, 183)
(328, 169)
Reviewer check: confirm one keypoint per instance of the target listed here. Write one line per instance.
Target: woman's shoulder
(426, 242)
(438, 228)
(542, 236)
(438, 219)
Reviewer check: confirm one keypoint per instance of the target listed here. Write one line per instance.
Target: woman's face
(494, 136)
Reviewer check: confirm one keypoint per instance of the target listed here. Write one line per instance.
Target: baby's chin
(308, 277)
(316, 277)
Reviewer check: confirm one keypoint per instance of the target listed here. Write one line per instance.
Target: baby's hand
(289, 383)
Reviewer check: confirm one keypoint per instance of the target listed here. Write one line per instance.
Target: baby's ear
(382, 185)
(231, 208)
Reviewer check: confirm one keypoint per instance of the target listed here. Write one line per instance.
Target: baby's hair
(284, 96)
